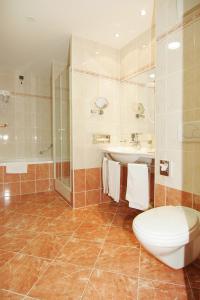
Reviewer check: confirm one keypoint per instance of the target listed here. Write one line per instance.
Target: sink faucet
(135, 139)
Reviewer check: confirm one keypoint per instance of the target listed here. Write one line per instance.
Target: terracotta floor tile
(46, 245)
(64, 226)
(57, 202)
(193, 272)
(6, 218)
(20, 221)
(155, 290)
(125, 209)
(107, 207)
(40, 197)
(76, 214)
(80, 252)
(41, 224)
(120, 259)
(21, 273)
(122, 236)
(5, 257)
(51, 211)
(152, 269)
(107, 285)
(7, 295)
(45, 227)
(92, 232)
(8, 201)
(100, 217)
(61, 281)
(68, 221)
(123, 220)
(30, 208)
(14, 240)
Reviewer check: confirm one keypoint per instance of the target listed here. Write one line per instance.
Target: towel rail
(150, 166)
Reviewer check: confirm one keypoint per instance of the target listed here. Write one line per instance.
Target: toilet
(170, 233)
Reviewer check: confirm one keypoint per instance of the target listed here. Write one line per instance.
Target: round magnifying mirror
(101, 102)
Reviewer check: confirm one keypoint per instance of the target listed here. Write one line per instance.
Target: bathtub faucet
(47, 149)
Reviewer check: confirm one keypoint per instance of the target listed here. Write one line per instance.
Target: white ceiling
(26, 44)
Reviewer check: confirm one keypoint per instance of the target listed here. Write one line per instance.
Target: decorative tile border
(39, 178)
(138, 72)
(87, 72)
(31, 95)
(189, 18)
(125, 79)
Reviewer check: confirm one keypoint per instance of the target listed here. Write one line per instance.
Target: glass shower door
(61, 115)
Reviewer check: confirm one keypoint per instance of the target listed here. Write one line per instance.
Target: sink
(127, 154)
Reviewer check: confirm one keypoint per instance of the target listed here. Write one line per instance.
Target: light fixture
(97, 52)
(116, 35)
(143, 12)
(174, 45)
(101, 103)
(5, 137)
(152, 76)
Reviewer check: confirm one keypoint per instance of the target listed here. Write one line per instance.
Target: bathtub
(31, 161)
(39, 178)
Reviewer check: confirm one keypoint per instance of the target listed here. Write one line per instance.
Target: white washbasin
(128, 154)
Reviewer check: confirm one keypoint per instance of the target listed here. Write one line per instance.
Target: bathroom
(99, 146)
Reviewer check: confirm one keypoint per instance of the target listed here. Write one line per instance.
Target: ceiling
(33, 33)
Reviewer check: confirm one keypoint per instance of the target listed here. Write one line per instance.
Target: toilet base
(176, 257)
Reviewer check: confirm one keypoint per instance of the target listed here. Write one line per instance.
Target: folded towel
(16, 167)
(105, 175)
(114, 179)
(137, 192)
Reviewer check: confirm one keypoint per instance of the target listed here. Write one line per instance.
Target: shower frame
(60, 186)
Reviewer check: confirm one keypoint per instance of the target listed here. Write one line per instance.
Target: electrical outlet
(164, 167)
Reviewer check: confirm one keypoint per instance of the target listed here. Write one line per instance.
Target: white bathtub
(31, 161)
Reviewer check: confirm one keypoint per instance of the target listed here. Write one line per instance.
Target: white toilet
(170, 233)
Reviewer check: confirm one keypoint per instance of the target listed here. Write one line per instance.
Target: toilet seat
(167, 225)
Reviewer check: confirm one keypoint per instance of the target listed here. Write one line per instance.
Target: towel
(137, 192)
(105, 175)
(114, 179)
(16, 168)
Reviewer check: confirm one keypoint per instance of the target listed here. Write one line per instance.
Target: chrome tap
(135, 139)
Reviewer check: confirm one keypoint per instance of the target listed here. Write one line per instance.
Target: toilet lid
(167, 222)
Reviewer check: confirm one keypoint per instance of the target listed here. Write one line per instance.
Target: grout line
(53, 260)
(163, 281)
(92, 270)
(45, 269)
(15, 293)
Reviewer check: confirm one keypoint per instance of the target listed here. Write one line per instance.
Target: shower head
(4, 96)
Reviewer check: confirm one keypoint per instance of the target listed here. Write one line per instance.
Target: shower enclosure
(61, 130)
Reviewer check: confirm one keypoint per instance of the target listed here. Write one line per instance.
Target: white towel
(137, 192)
(16, 167)
(114, 179)
(105, 175)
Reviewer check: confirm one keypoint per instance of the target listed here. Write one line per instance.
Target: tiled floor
(48, 251)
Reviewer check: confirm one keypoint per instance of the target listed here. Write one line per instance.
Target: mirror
(101, 102)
